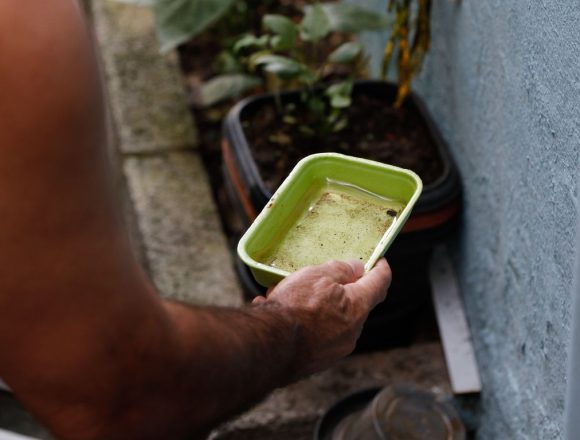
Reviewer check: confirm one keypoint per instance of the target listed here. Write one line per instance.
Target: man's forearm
(163, 370)
(221, 361)
(233, 357)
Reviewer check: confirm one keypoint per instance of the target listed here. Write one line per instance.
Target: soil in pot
(375, 131)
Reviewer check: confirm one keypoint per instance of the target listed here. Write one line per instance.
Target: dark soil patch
(197, 56)
(375, 131)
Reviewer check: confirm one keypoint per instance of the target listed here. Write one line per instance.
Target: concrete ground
(177, 234)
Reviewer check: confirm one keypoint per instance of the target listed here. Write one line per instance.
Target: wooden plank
(453, 327)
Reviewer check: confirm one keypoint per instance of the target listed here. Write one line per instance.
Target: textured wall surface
(503, 82)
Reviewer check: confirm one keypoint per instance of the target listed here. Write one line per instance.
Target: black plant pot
(434, 218)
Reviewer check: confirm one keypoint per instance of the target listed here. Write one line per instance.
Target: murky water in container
(341, 222)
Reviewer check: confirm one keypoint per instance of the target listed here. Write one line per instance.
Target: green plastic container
(331, 206)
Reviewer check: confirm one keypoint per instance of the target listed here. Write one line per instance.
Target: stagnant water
(341, 222)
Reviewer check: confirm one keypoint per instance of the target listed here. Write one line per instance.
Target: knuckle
(323, 282)
(340, 265)
(330, 287)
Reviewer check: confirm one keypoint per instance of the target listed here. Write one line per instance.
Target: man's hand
(330, 303)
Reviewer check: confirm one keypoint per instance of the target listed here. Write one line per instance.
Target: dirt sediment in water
(341, 223)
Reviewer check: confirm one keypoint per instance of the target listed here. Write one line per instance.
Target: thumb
(372, 287)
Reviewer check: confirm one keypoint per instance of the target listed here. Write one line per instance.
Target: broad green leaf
(346, 17)
(285, 68)
(315, 24)
(340, 94)
(339, 101)
(277, 43)
(251, 41)
(225, 87)
(345, 53)
(284, 28)
(177, 21)
(341, 88)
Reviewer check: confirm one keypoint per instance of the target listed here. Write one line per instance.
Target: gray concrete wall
(503, 82)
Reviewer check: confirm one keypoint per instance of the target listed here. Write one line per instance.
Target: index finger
(372, 287)
(341, 272)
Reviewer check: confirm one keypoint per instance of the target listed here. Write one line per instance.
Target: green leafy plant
(409, 41)
(296, 54)
(178, 21)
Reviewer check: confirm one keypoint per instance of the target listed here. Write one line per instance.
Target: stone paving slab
(183, 240)
(176, 221)
(145, 87)
(292, 412)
